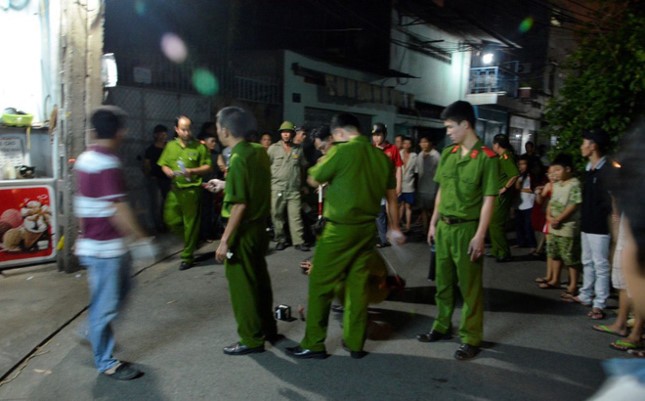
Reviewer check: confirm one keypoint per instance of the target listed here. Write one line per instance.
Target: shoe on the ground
(433, 336)
(302, 353)
(303, 247)
(124, 371)
(281, 246)
(355, 354)
(383, 244)
(466, 352)
(337, 308)
(185, 266)
(505, 259)
(273, 339)
(241, 349)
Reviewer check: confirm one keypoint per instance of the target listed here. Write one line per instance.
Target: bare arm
(312, 182)
(168, 171)
(199, 170)
(126, 222)
(476, 247)
(435, 217)
(509, 184)
(399, 179)
(237, 212)
(568, 211)
(394, 232)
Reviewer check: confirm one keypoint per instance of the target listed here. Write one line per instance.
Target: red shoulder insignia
(489, 152)
(455, 149)
(474, 154)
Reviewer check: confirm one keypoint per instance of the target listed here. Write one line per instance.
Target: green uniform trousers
(455, 268)
(287, 204)
(343, 252)
(497, 227)
(250, 285)
(181, 215)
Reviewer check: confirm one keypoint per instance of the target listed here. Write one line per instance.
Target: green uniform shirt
(465, 180)
(286, 168)
(248, 181)
(507, 168)
(358, 175)
(193, 155)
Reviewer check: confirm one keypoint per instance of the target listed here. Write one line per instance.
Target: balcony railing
(492, 80)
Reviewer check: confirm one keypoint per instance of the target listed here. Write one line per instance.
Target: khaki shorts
(566, 249)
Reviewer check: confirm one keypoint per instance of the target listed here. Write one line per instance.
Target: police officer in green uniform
(508, 174)
(184, 160)
(288, 163)
(467, 176)
(245, 240)
(359, 175)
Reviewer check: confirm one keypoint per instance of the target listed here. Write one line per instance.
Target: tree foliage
(605, 78)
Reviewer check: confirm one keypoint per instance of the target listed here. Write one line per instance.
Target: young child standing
(542, 197)
(525, 186)
(563, 217)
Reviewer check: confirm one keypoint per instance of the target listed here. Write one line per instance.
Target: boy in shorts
(563, 217)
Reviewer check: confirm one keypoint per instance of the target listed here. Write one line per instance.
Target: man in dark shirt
(159, 183)
(596, 210)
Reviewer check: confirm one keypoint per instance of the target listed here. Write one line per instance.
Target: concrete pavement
(176, 323)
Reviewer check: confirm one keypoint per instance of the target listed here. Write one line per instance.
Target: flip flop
(603, 328)
(541, 280)
(548, 286)
(625, 345)
(637, 353)
(596, 314)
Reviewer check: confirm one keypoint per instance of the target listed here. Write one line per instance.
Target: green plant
(605, 81)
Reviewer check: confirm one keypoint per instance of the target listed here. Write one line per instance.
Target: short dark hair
(238, 121)
(458, 112)
(406, 138)
(598, 136)
(322, 133)
(502, 140)
(159, 128)
(345, 120)
(107, 121)
(380, 129)
(564, 160)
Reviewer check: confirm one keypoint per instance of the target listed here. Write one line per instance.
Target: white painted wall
(309, 92)
(28, 73)
(439, 82)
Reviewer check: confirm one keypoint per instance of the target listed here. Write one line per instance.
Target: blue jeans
(109, 281)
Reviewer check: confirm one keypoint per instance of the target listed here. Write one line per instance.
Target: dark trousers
(524, 229)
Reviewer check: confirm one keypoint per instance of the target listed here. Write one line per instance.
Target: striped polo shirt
(99, 184)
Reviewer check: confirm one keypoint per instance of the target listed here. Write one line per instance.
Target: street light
(487, 58)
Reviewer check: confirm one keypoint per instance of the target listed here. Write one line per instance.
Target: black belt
(455, 220)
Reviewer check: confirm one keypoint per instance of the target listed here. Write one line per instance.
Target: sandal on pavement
(603, 328)
(637, 353)
(541, 280)
(596, 314)
(548, 286)
(625, 345)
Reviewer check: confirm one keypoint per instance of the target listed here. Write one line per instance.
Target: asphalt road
(176, 323)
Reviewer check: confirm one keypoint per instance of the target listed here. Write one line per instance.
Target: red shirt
(392, 152)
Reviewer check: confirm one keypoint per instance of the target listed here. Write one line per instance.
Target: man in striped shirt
(105, 221)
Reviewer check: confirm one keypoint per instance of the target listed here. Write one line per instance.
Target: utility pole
(81, 91)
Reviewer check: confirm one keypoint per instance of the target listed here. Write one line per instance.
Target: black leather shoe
(185, 266)
(433, 336)
(241, 349)
(281, 246)
(466, 352)
(337, 308)
(303, 247)
(301, 353)
(273, 339)
(355, 354)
